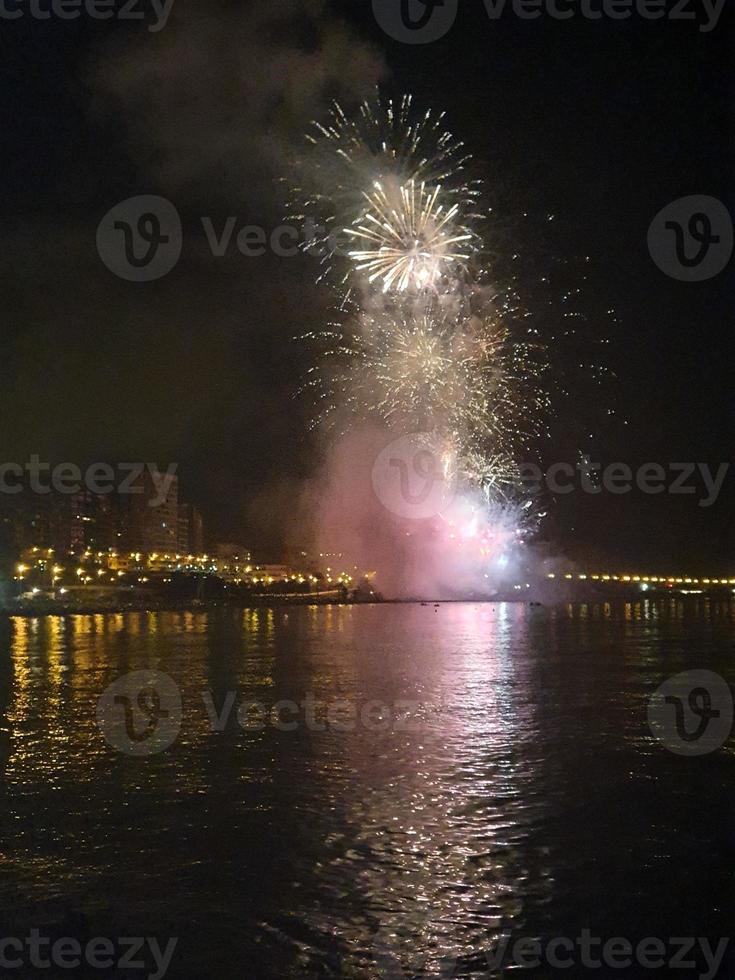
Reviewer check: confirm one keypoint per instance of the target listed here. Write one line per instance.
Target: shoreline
(31, 611)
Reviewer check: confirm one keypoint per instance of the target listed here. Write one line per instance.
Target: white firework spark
(458, 373)
(408, 237)
(393, 180)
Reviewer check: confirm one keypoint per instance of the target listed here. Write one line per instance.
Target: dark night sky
(598, 123)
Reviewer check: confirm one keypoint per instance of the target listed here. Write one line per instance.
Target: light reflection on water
(531, 800)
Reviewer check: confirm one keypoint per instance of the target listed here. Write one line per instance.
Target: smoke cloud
(442, 551)
(215, 103)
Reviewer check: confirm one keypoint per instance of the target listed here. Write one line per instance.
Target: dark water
(521, 793)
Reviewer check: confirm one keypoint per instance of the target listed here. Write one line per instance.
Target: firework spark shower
(423, 342)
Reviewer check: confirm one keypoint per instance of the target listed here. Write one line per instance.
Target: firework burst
(421, 368)
(424, 343)
(408, 238)
(392, 183)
